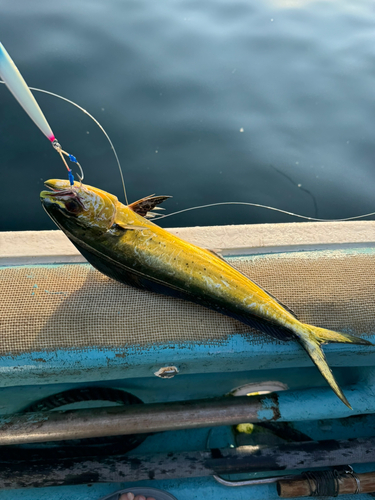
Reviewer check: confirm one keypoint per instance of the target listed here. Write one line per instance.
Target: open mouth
(56, 190)
(69, 196)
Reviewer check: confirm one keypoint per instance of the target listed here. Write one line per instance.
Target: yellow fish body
(120, 242)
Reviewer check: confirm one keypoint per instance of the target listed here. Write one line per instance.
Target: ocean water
(268, 102)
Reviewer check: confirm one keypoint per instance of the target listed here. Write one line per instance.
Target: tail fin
(312, 337)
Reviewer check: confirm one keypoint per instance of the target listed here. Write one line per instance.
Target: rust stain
(271, 402)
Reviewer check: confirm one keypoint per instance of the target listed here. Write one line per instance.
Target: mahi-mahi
(122, 243)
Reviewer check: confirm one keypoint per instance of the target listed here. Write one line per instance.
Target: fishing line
(258, 205)
(71, 157)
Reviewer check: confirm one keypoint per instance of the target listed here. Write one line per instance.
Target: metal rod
(157, 417)
(133, 419)
(19, 472)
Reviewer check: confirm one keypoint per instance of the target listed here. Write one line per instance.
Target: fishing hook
(56, 145)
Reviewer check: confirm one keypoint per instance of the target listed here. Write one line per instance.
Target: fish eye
(73, 206)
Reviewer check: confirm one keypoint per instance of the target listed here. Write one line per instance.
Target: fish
(123, 243)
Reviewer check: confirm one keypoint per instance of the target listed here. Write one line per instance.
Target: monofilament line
(258, 205)
(97, 123)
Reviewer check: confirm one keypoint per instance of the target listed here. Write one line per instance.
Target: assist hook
(56, 145)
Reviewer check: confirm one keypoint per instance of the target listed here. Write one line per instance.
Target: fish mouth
(57, 187)
(62, 194)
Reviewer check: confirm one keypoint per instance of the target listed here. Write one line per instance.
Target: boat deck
(67, 327)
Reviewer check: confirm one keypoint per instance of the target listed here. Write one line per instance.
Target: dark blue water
(271, 102)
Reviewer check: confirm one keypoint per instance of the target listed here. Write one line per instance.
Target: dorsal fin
(144, 205)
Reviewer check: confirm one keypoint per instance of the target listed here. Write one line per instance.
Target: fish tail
(312, 337)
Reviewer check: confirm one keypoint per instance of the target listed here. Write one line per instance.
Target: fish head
(78, 206)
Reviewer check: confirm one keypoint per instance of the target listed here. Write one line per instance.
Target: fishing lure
(18, 87)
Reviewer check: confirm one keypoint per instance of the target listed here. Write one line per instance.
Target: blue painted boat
(106, 388)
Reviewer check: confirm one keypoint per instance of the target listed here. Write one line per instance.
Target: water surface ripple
(269, 102)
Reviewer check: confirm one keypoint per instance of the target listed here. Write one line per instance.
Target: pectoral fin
(120, 225)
